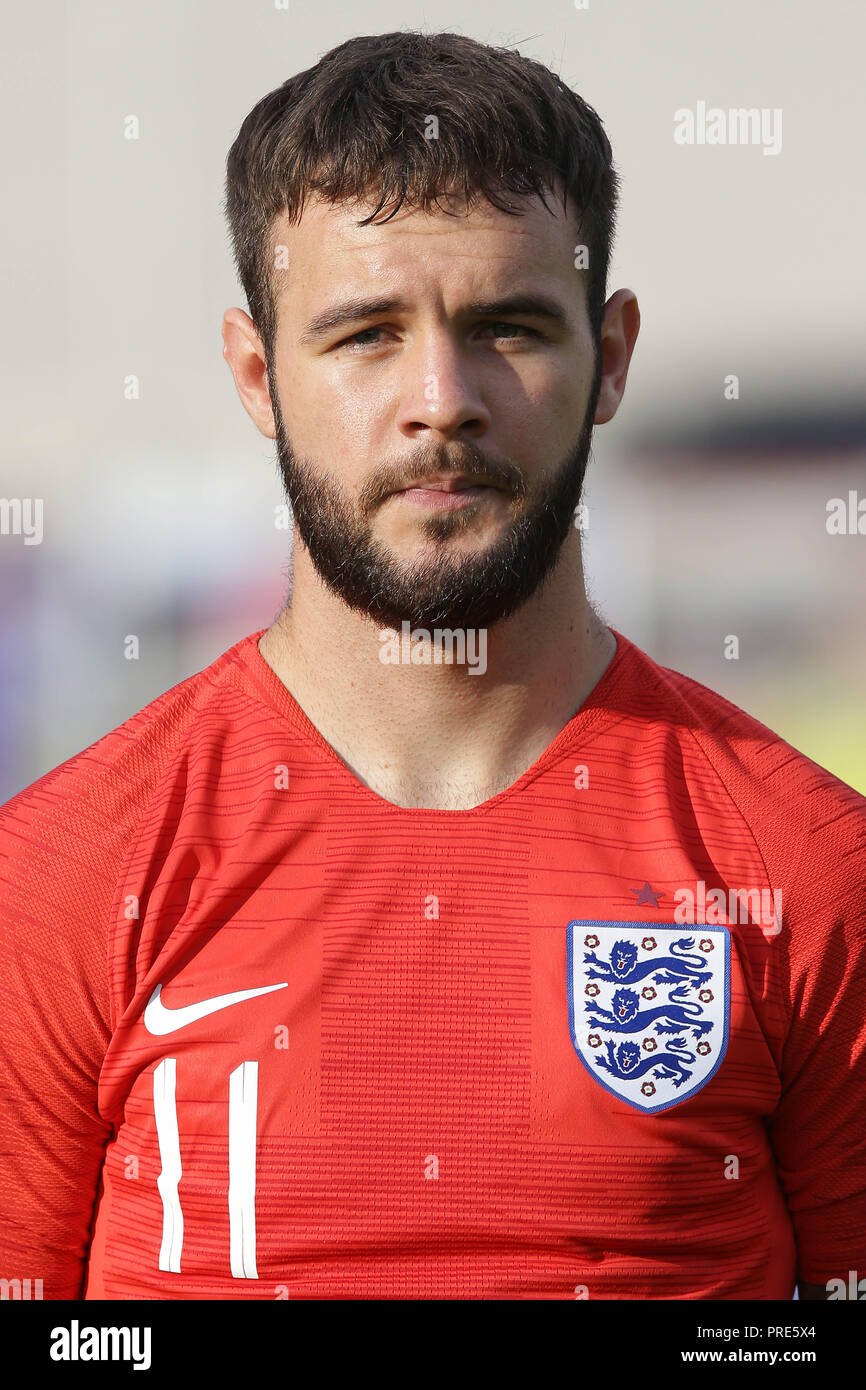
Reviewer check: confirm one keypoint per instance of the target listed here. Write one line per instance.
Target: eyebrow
(534, 305)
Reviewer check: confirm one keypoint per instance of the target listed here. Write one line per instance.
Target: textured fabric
(400, 1111)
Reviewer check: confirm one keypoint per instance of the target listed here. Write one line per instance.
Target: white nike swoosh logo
(159, 1020)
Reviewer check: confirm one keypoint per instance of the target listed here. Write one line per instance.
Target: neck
(439, 734)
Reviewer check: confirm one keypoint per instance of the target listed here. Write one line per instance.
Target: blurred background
(707, 516)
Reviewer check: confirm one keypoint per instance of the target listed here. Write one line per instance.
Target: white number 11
(243, 1103)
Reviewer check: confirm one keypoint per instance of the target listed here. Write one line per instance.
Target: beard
(462, 591)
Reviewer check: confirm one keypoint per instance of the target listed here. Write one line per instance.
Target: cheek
(321, 421)
(346, 401)
(557, 380)
(550, 410)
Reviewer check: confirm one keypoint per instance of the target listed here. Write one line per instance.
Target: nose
(440, 392)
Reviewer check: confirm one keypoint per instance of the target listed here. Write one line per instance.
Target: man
(419, 947)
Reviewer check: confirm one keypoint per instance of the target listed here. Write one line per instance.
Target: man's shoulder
(96, 796)
(775, 786)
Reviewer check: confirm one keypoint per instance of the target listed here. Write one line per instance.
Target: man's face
(431, 376)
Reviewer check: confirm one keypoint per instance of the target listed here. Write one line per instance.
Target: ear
(245, 354)
(619, 330)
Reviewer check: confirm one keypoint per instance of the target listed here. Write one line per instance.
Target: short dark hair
(354, 125)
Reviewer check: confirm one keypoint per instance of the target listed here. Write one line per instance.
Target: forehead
(461, 244)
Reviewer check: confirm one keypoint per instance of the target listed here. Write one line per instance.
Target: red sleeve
(56, 891)
(818, 1130)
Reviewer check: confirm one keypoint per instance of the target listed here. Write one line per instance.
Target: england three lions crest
(649, 1007)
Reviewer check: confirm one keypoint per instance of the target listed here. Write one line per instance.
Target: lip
(443, 494)
(452, 483)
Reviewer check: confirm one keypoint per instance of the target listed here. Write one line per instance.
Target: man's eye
(509, 331)
(517, 328)
(364, 333)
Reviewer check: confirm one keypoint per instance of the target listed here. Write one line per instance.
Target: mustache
(465, 459)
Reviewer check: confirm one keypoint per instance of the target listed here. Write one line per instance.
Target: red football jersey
(267, 1035)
